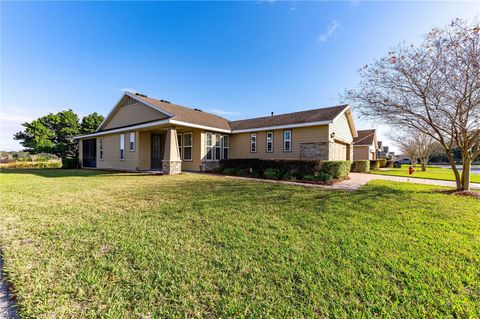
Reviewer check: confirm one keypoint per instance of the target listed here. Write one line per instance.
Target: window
(209, 145)
(101, 148)
(226, 146)
(179, 141)
(253, 143)
(218, 146)
(287, 141)
(187, 146)
(132, 141)
(269, 142)
(122, 146)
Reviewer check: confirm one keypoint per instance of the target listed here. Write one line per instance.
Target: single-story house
(365, 145)
(142, 133)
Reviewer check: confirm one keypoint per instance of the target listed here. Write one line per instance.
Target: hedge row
(361, 166)
(286, 169)
(22, 164)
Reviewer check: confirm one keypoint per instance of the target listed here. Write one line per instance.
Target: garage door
(339, 151)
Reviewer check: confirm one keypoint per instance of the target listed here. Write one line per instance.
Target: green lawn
(85, 244)
(431, 173)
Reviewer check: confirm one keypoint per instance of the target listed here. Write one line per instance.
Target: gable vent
(130, 101)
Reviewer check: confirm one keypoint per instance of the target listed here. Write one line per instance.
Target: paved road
(7, 306)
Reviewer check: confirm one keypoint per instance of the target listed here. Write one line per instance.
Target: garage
(340, 151)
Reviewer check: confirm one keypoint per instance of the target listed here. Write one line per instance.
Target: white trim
(279, 127)
(124, 129)
(203, 127)
(133, 96)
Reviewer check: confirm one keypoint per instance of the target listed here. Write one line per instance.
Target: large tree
(53, 133)
(433, 88)
(90, 123)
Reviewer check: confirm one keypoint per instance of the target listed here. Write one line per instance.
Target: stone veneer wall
(171, 167)
(314, 151)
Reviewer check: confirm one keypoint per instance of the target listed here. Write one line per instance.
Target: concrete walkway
(8, 309)
(357, 180)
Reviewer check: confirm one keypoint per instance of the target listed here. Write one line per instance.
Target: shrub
(70, 163)
(383, 162)
(229, 171)
(25, 164)
(243, 172)
(374, 165)
(308, 177)
(257, 167)
(389, 164)
(272, 173)
(217, 170)
(336, 169)
(324, 177)
(361, 166)
(288, 176)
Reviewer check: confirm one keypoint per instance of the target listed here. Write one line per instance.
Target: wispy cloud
(222, 112)
(129, 90)
(331, 29)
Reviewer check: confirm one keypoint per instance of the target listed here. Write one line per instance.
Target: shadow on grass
(57, 172)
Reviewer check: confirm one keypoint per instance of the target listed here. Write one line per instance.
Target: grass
(86, 244)
(432, 172)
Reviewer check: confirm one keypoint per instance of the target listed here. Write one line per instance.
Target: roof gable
(130, 111)
(365, 137)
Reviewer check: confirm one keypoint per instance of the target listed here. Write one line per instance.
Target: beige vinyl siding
(132, 114)
(240, 143)
(361, 153)
(196, 161)
(111, 153)
(144, 148)
(342, 130)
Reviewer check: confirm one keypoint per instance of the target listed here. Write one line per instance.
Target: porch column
(171, 163)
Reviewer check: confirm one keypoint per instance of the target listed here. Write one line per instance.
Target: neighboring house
(141, 133)
(383, 152)
(365, 145)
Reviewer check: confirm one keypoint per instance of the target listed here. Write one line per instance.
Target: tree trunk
(467, 163)
(424, 164)
(458, 180)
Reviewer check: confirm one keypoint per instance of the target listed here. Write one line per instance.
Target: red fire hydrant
(411, 170)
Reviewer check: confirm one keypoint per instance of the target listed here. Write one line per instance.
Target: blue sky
(237, 59)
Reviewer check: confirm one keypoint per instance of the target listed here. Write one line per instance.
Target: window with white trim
(253, 142)
(209, 146)
(132, 142)
(122, 146)
(187, 146)
(287, 141)
(269, 144)
(100, 141)
(218, 146)
(179, 142)
(226, 146)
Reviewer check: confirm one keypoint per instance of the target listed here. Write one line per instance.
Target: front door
(157, 150)
(89, 150)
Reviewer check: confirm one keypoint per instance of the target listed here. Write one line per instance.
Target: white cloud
(129, 90)
(222, 112)
(331, 29)
(11, 119)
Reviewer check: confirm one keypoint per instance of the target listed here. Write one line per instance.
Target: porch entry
(158, 146)
(89, 158)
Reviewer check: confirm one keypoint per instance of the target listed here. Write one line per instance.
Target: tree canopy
(433, 88)
(53, 133)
